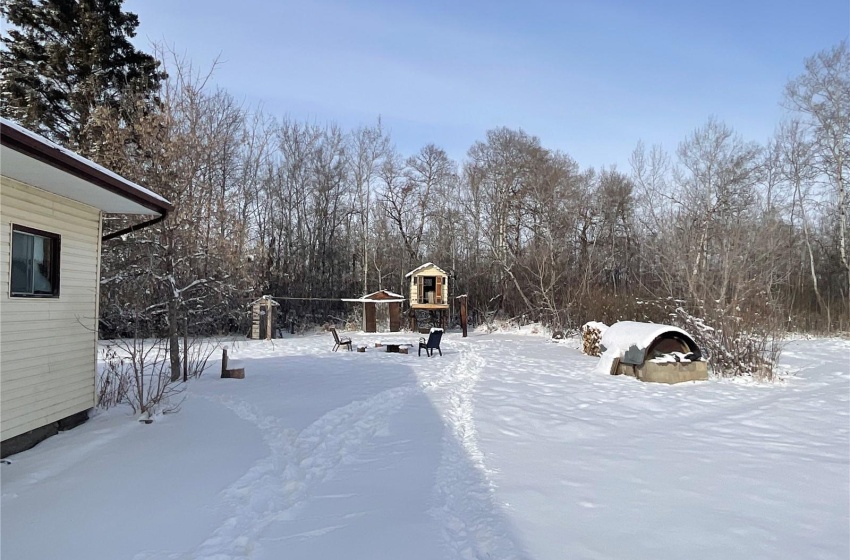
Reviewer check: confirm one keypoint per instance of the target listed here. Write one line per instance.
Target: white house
(52, 202)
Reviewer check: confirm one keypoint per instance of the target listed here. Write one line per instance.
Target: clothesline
(307, 298)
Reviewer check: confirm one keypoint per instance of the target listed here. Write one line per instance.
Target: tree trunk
(173, 340)
(186, 349)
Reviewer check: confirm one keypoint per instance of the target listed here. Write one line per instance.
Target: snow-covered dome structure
(651, 352)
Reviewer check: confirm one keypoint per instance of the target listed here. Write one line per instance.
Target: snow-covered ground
(506, 447)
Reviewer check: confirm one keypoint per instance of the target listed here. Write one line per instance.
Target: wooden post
(186, 348)
(227, 373)
(269, 331)
(411, 315)
(395, 316)
(370, 320)
(463, 314)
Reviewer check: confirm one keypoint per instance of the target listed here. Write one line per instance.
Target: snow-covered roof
(391, 294)
(633, 338)
(365, 299)
(423, 267)
(388, 297)
(34, 160)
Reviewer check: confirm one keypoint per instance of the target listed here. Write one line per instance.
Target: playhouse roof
(423, 267)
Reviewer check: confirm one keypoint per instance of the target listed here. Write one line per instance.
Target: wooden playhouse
(429, 291)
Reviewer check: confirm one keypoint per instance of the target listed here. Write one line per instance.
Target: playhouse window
(35, 263)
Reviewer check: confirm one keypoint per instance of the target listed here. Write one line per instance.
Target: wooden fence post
(463, 314)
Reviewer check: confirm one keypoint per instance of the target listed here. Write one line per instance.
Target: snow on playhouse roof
(631, 339)
(423, 267)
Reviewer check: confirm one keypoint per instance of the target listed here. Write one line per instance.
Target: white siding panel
(32, 373)
(37, 416)
(61, 350)
(36, 399)
(48, 345)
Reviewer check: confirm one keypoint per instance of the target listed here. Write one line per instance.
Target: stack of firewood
(591, 337)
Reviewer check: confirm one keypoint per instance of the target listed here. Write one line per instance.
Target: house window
(35, 263)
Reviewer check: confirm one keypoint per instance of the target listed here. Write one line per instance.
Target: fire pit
(398, 348)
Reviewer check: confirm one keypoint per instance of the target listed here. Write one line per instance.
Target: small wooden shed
(652, 352)
(370, 310)
(263, 318)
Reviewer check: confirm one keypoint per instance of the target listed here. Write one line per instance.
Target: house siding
(48, 345)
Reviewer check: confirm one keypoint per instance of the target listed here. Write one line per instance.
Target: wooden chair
(344, 341)
(432, 344)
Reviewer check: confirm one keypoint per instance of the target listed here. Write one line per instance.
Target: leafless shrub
(137, 372)
(735, 346)
(196, 355)
(113, 382)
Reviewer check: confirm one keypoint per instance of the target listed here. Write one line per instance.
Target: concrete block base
(33, 437)
(667, 372)
(673, 372)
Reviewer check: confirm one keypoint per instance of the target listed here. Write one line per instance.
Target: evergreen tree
(64, 59)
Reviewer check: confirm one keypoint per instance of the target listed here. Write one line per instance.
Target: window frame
(56, 248)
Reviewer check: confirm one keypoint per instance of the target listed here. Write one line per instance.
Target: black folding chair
(433, 342)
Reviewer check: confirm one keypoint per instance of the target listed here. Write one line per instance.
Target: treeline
(744, 235)
(725, 228)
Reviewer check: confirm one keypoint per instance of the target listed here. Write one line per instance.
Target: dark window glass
(35, 263)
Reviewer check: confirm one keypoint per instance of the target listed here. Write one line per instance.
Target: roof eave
(51, 155)
(423, 267)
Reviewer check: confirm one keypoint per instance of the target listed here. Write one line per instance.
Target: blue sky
(588, 78)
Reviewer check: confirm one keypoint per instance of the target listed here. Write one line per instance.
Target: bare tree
(369, 147)
(414, 194)
(821, 95)
(796, 156)
(500, 171)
